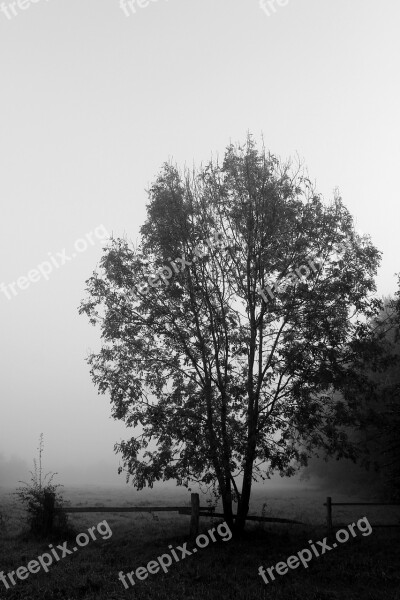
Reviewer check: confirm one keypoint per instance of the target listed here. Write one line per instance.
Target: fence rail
(329, 522)
(186, 511)
(121, 509)
(195, 511)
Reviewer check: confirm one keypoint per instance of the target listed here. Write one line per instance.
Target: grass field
(366, 568)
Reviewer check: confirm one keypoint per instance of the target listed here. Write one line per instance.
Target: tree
(378, 471)
(231, 381)
(384, 427)
(392, 393)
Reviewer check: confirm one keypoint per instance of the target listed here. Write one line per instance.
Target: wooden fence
(195, 511)
(329, 522)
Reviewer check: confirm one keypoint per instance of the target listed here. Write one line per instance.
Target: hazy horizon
(88, 120)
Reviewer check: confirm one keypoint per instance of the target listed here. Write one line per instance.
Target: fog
(89, 115)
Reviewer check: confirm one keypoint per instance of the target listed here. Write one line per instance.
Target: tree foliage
(225, 386)
(383, 431)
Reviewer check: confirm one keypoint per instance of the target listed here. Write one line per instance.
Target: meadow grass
(366, 568)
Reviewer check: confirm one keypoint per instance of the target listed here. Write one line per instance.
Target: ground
(366, 568)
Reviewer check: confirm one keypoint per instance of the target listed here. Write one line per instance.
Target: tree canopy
(226, 383)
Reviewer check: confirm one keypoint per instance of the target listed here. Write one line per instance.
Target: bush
(44, 502)
(2, 523)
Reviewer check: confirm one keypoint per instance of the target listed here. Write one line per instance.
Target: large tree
(224, 379)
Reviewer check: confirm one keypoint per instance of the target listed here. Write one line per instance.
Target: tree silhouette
(228, 384)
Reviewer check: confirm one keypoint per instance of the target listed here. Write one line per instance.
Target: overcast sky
(94, 101)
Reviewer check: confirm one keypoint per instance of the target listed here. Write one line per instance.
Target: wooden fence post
(329, 524)
(194, 520)
(48, 512)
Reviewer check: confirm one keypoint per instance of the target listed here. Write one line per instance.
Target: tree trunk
(243, 507)
(226, 495)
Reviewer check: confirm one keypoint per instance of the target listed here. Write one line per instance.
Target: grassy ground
(367, 568)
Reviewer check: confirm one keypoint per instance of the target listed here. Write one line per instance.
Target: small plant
(261, 526)
(42, 499)
(212, 501)
(3, 524)
(264, 510)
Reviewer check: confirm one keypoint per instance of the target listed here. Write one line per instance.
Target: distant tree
(385, 425)
(230, 383)
(379, 437)
(390, 444)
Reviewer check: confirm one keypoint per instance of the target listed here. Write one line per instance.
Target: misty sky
(93, 102)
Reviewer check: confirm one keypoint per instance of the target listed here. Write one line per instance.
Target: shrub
(2, 523)
(43, 500)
